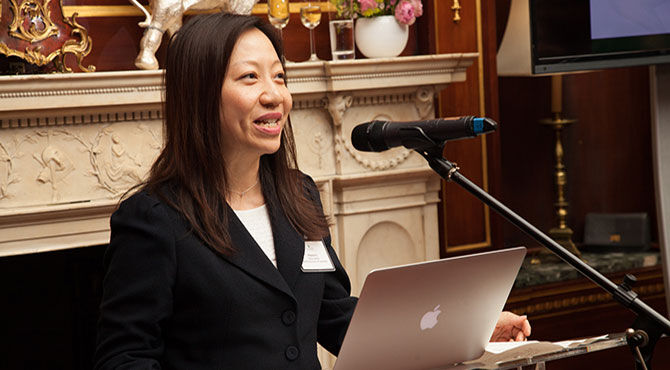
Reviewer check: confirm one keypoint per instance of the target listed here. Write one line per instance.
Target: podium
(533, 355)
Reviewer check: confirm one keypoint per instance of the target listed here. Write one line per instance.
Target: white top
(257, 222)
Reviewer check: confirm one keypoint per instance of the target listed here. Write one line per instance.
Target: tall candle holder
(561, 233)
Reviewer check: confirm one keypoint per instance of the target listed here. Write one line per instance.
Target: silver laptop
(429, 314)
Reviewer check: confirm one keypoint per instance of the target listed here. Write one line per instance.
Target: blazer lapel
(289, 245)
(250, 257)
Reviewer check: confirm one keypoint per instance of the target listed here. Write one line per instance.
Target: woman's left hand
(511, 327)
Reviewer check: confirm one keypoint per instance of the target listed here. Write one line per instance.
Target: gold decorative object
(41, 25)
(37, 32)
(456, 8)
(561, 233)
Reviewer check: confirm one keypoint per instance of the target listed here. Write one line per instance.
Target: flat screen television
(575, 35)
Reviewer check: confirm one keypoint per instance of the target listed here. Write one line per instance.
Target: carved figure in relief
(56, 167)
(115, 168)
(166, 15)
(123, 164)
(424, 102)
(337, 105)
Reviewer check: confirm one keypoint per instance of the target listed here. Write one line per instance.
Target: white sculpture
(166, 15)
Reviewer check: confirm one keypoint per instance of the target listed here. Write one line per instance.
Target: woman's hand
(511, 327)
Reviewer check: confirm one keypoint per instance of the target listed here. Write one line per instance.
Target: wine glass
(278, 13)
(310, 15)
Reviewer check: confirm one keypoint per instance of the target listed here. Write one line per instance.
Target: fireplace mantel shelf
(33, 96)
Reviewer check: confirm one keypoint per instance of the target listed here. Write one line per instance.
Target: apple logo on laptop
(429, 319)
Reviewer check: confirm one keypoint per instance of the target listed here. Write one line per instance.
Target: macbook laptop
(429, 314)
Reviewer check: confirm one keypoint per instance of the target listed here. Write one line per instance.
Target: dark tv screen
(575, 35)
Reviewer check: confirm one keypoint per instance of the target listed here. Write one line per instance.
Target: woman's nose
(271, 95)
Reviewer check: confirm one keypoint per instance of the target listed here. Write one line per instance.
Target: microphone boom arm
(649, 326)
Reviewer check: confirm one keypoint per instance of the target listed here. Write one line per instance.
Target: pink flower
(393, 2)
(404, 13)
(367, 5)
(418, 8)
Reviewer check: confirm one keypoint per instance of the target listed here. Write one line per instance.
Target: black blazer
(170, 302)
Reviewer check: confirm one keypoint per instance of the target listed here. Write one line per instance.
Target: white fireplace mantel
(72, 144)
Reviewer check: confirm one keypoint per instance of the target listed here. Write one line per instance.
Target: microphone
(377, 136)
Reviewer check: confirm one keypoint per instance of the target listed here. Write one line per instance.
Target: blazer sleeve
(337, 305)
(140, 267)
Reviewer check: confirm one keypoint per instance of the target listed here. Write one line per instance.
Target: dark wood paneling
(492, 110)
(526, 154)
(610, 149)
(456, 37)
(464, 221)
(116, 42)
(607, 152)
(463, 217)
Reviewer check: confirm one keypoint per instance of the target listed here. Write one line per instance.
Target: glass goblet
(278, 13)
(310, 15)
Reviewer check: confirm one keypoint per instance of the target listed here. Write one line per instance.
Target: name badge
(316, 258)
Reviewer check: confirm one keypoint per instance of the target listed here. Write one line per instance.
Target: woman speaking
(204, 269)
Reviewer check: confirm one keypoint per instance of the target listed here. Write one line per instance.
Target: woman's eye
(281, 76)
(249, 75)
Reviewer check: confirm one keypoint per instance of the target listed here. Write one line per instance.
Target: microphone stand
(649, 324)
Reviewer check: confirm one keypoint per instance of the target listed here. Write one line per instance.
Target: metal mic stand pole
(649, 325)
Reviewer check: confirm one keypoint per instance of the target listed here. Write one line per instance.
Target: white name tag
(316, 258)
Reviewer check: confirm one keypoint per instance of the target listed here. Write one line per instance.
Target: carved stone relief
(8, 156)
(373, 164)
(319, 146)
(114, 166)
(56, 165)
(424, 102)
(389, 98)
(313, 135)
(337, 105)
(75, 163)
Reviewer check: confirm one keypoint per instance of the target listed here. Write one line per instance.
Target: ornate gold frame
(33, 53)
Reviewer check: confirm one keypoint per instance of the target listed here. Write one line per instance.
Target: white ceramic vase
(380, 37)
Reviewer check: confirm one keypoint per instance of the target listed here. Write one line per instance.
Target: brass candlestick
(562, 234)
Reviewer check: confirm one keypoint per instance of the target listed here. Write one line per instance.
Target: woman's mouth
(267, 123)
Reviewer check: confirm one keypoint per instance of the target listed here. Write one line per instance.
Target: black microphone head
(367, 137)
(487, 125)
(359, 137)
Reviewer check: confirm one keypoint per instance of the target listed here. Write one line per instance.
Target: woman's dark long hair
(191, 164)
